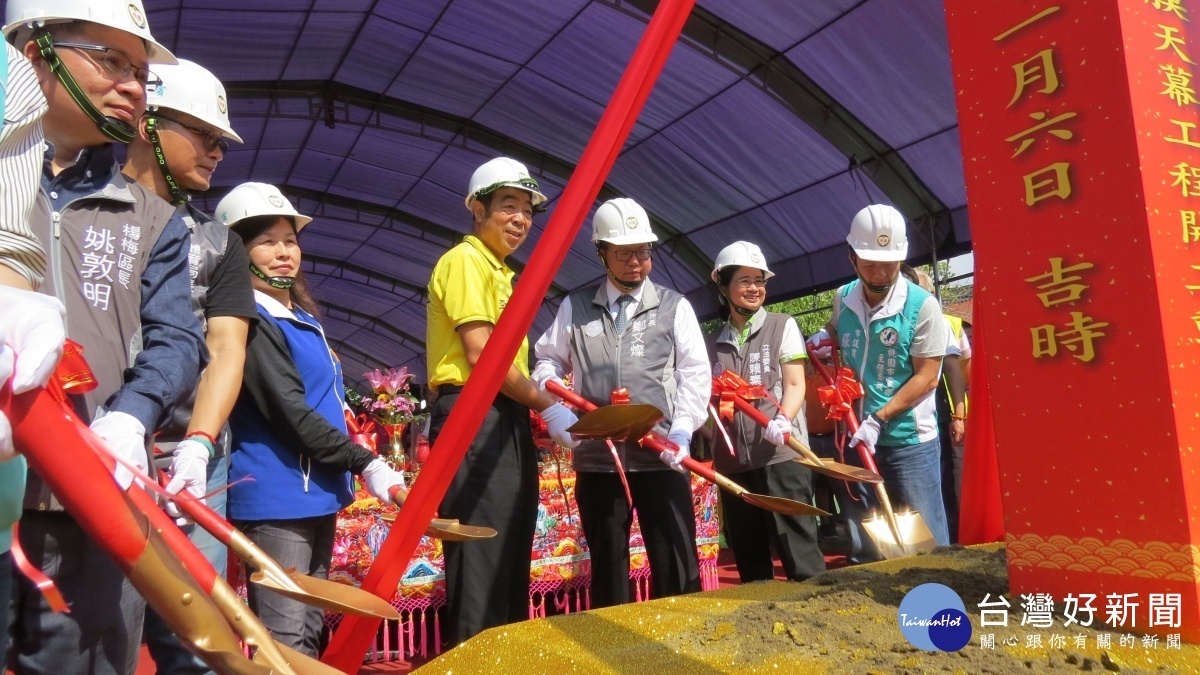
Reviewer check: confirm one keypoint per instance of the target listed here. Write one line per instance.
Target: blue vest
(879, 355)
(277, 489)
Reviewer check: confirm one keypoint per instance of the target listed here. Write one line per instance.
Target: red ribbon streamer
(352, 637)
(44, 584)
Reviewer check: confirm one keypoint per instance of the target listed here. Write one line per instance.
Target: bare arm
(958, 397)
(923, 381)
(222, 380)
(10, 277)
(793, 388)
(474, 336)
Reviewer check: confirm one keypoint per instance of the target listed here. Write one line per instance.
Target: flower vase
(395, 455)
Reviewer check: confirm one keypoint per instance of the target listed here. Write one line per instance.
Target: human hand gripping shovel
(657, 443)
(446, 529)
(734, 392)
(895, 535)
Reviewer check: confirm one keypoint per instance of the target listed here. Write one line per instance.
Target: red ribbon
(838, 397)
(362, 431)
(729, 386)
(44, 584)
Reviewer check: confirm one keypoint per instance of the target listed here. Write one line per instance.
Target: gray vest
(209, 239)
(757, 362)
(98, 246)
(642, 360)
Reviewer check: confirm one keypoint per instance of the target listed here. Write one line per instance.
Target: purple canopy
(774, 121)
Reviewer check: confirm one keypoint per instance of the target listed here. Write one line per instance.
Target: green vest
(879, 355)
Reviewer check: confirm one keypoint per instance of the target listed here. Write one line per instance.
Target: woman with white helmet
(766, 349)
(289, 432)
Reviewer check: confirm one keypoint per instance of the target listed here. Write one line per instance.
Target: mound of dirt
(842, 621)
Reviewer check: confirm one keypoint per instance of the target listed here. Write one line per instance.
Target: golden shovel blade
(328, 595)
(854, 474)
(914, 533)
(788, 507)
(449, 529)
(300, 664)
(235, 663)
(627, 421)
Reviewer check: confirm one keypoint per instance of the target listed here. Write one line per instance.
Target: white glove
(674, 458)
(189, 470)
(7, 451)
(34, 329)
(125, 434)
(380, 478)
(557, 418)
(825, 352)
(778, 430)
(868, 432)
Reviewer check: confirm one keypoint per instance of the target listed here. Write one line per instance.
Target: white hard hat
(620, 222)
(188, 87)
(257, 199)
(877, 233)
(126, 15)
(502, 172)
(741, 254)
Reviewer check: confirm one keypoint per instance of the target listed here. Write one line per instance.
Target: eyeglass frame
(205, 134)
(642, 254)
(749, 282)
(151, 78)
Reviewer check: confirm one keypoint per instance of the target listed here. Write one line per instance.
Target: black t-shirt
(229, 290)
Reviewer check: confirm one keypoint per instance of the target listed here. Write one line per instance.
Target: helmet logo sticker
(883, 240)
(276, 201)
(754, 257)
(221, 104)
(135, 13)
(889, 337)
(631, 222)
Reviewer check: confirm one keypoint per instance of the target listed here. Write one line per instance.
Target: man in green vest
(891, 333)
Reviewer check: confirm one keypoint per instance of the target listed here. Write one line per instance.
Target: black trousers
(663, 500)
(752, 532)
(487, 581)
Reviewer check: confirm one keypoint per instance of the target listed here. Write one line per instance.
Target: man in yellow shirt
(487, 582)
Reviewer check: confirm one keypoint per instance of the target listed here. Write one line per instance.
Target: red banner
(1079, 133)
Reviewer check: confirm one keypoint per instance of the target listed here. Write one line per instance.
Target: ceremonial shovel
(656, 443)
(328, 595)
(446, 529)
(807, 457)
(895, 535)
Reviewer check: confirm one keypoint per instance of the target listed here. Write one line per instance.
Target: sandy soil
(843, 621)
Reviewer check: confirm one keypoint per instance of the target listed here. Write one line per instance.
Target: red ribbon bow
(729, 385)
(837, 397)
(362, 430)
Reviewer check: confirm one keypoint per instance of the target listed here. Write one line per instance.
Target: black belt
(444, 389)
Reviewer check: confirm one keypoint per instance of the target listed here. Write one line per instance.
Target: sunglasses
(212, 139)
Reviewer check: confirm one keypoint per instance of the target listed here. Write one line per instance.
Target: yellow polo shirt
(468, 284)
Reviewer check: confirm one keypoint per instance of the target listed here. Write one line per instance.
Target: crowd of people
(212, 365)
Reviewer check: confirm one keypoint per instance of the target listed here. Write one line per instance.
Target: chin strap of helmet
(116, 129)
(178, 194)
(625, 285)
(282, 283)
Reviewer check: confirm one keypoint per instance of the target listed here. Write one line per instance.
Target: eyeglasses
(114, 62)
(748, 282)
(212, 139)
(643, 254)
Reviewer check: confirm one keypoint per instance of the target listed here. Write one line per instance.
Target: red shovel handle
(556, 388)
(204, 516)
(864, 452)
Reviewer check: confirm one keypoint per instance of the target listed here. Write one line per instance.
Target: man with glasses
(118, 261)
(628, 332)
(180, 141)
(487, 582)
